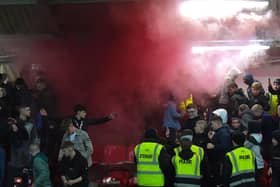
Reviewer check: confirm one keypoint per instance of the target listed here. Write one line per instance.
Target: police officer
(187, 164)
(194, 148)
(154, 166)
(240, 164)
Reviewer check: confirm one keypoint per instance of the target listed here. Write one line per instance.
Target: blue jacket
(171, 116)
(222, 142)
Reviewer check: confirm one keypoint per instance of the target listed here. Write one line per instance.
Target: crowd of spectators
(254, 112)
(32, 137)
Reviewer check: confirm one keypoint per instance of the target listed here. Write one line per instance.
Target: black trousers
(172, 136)
(275, 179)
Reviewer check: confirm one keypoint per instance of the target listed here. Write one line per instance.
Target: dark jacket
(4, 133)
(77, 167)
(21, 140)
(5, 107)
(22, 96)
(246, 116)
(237, 99)
(267, 127)
(164, 164)
(261, 100)
(83, 123)
(201, 140)
(227, 171)
(274, 160)
(190, 123)
(46, 99)
(222, 142)
(240, 129)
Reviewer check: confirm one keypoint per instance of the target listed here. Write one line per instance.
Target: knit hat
(248, 79)
(276, 135)
(254, 126)
(151, 133)
(222, 113)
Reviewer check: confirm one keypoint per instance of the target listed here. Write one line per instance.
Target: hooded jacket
(222, 113)
(253, 143)
(222, 142)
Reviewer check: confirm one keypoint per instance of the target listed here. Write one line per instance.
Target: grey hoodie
(253, 143)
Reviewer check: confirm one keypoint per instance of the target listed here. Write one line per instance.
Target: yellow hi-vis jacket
(194, 148)
(148, 170)
(187, 171)
(273, 102)
(243, 166)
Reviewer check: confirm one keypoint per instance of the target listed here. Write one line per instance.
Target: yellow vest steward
(194, 148)
(243, 166)
(148, 170)
(273, 102)
(187, 171)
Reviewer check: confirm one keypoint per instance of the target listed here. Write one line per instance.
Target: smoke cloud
(127, 57)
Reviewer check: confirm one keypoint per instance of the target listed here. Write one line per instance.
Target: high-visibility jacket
(243, 166)
(273, 102)
(148, 169)
(194, 148)
(187, 171)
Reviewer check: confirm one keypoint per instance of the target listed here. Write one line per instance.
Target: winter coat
(41, 173)
(253, 143)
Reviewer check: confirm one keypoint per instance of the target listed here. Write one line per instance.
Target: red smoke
(125, 57)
